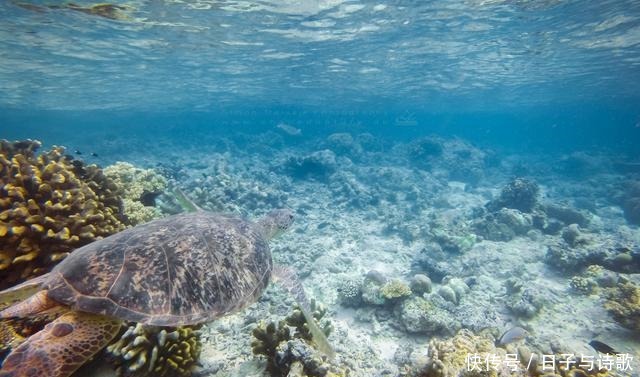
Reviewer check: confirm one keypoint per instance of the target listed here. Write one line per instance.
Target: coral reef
(350, 292)
(394, 290)
(449, 358)
(425, 149)
(574, 237)
(526, 304)
(221, 189)
(419, 315)
(155, 351)
(50, 205)
(583, 285)
(521, 194)
(631, 203)
(504, 224)
(288, 345)
(138, 189)
(420, 284)
(343, 143)
(566, 214)
(623, 303)
(317, 165)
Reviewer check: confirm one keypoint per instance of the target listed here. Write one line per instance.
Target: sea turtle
(183, 269)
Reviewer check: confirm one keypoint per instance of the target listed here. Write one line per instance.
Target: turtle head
(275, 223)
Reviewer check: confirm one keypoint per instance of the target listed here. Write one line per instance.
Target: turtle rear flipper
(62, 346)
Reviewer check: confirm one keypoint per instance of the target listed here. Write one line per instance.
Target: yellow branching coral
(450, 358)
(137, 187)
(50, 205)
(155, 351)
(623, 303)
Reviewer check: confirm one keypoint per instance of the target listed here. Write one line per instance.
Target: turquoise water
(397, 131)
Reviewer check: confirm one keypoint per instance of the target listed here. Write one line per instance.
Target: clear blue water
(508, 88)
(557, 72)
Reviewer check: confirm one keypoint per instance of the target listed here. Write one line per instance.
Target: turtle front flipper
(21, 291)
(62, 346)
(288, 279)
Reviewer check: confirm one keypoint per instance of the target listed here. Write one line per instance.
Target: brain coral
(50, 205)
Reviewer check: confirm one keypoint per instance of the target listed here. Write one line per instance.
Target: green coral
(623, 303)
(395, 289)
(155, 351)
(137, 187)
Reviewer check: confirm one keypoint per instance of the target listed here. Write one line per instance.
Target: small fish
(602, 347)
(290, 130)
(514, 334)
(78, 152)
(94, 154)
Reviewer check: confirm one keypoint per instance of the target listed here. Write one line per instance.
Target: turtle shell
(180, 270)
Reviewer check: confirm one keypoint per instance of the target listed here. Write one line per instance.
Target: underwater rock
(447, 293)
(317, 165)
(631, 202)
(419, 315)
(574, 237)
(521, 194)
(459, 287)
(155, 351)
(526, 304)
(343, 143)
(348, 189)
(420, 284)
(567, 214)
(50, 204)
(434, 262)
(623, 304)
(504, 224)
(424, 150)
(371, 291)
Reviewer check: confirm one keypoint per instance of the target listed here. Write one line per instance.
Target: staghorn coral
(49, 205)
(155, 351)
(623, 303)
(138, 189)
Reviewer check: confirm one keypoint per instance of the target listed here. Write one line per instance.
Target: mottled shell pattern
(183, 269)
